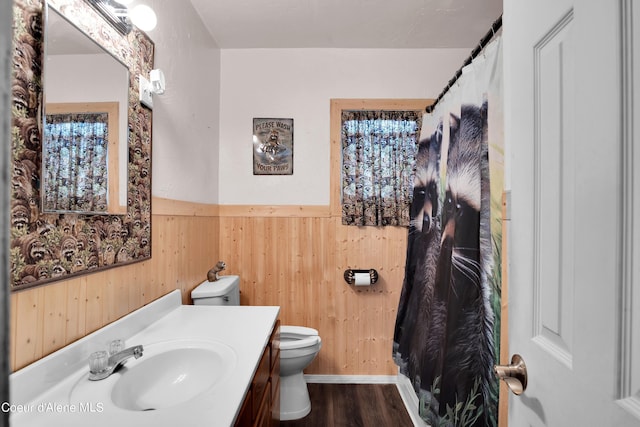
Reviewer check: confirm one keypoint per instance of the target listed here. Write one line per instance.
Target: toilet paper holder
(350, 275)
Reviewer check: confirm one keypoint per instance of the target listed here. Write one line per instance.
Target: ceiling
(348, 23)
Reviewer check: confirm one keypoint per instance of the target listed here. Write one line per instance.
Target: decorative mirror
(55, 243)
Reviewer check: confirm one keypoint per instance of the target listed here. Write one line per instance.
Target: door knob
(515, 374)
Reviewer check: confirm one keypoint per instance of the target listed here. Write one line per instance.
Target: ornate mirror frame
(47, 247)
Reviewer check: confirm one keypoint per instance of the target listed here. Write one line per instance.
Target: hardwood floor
(354, 405)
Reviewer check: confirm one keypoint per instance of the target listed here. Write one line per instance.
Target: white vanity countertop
(246, 329)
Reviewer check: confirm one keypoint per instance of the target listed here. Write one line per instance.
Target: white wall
(186, 117)
(202, 149)
(298, 84)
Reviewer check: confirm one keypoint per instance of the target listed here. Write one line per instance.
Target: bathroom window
(377, 160)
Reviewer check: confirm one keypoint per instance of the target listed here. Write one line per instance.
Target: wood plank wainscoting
(295, 257)
(185, 247)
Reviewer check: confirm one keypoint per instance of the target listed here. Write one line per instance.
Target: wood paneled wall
(185, 247)
(297, 260)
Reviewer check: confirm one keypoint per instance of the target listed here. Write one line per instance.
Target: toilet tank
(224, 291)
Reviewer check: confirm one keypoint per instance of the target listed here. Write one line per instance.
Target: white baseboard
(403, 384)
(410, 399)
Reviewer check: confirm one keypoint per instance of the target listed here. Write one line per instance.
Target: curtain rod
(483, 42)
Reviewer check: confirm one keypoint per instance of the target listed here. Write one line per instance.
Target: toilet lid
(223, 286)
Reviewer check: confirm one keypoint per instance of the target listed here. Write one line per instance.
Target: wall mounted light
(155, 85)
(143, 17)
(118, 14)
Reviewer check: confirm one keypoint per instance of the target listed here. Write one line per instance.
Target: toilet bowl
(298, 347)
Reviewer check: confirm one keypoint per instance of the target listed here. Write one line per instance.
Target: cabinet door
(275, 400)
(275, 386)
(261, 381)
(264, 412)
(245, 416)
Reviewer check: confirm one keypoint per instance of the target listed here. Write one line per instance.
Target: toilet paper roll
(362, 279)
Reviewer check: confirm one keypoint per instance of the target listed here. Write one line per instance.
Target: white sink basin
(168, 374)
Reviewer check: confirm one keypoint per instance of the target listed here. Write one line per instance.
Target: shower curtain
(446, 337)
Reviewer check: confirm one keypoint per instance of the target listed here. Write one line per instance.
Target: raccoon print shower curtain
(447, 330)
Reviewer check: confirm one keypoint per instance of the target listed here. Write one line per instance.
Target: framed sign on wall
(272, 146)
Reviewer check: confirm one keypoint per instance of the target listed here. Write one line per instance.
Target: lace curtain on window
(378, 149)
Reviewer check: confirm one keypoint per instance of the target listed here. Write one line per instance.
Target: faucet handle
(116, 346)
(98, 361)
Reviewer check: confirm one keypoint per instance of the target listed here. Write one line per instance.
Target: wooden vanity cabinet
(261, 405)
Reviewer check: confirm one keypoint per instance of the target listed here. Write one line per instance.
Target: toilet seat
(297, 331)
(295, 337)
(299, 343)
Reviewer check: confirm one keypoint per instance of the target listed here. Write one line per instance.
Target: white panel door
(573, 297)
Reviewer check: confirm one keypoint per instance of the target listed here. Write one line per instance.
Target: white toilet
(298, 346)
(224, 291)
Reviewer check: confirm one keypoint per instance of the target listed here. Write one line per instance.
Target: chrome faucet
(115, 361)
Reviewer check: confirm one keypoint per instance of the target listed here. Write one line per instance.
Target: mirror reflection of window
(76, 162)
(79, 71)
